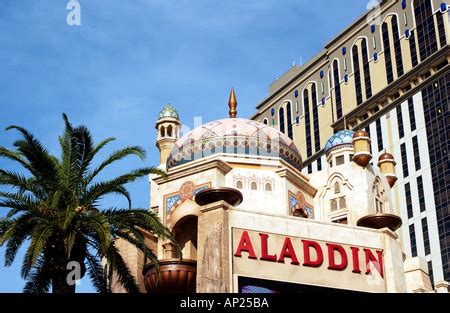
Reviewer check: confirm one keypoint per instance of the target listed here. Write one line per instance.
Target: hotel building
(388, 74)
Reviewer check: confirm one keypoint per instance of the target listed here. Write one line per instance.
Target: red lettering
(332, 265)
(307, 244)
(355, 258)
(245, 245)
(288, 252)
(370, 258)
(265, 256)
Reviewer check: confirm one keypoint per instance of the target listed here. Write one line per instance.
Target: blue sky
(127, 59)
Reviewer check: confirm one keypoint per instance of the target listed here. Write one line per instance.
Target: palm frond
(121, 270)
(39, 279)
(39, 238)
(116, 156)
(96, 273)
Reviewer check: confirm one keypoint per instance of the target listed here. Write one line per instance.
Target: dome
(343, 137)
(234, 136)
(168, 111)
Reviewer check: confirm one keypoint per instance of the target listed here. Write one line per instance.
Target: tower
(168, 127)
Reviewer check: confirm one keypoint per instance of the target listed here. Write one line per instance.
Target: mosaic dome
(168, 111)
(343, 137)
(234, 136)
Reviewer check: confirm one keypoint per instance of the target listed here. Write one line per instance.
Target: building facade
(388, 73)
(246, 219)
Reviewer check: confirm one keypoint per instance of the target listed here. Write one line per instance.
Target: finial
(345, 122)
(232, 103)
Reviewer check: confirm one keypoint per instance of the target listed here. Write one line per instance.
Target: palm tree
(55, 208)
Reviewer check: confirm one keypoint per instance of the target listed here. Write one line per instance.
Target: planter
(176, 277)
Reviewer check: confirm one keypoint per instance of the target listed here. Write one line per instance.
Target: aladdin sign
(307, 261)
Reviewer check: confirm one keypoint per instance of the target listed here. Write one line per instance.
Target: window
(426, 33)
(337, 89)
(401, 131)
(387, 53)
(342, 203)
(163, 131)
(307, 123)
(412, 236)
(169, 131)
(253, 186)
(239, 184)
(397, 46)
(319, 164)
(412, 118)
(340, 160)
(416, 153)
(310, 168)
(426, 237)
(412, 48)
(315, 110)
(379, 196)
(435, 98)
(281, 119)
(265, 121)
(337, 187)
(379, 135)
(338, 201)
(421, 194)
(441, 29)
(404, 160)
(289, 120)
(430, 272)
(366, 67)
(333, 205)
(268, 187)
(409, 207)
(357, 75)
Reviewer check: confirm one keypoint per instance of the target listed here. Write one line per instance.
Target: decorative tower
(386, 163)
(168, 126)
(361, 143)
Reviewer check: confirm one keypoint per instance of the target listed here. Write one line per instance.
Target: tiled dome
(343, 137)
(168, 111)
(234, 136)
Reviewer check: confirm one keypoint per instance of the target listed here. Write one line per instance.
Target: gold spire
(232, 103)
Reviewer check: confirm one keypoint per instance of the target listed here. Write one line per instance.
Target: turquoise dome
(168, 111)
(343, 137)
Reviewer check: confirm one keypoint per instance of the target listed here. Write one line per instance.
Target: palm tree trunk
(59, 285)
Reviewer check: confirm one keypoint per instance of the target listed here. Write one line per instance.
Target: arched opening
(289, 120)
(268, 187)
(337, 89)
(337, 187)
(239, 184)
(281, 121)
(378, 192)
(185, 233)
(307, 122)
(169, 131)
(333, 205)
(342, 203)
(253, 186)
(163, 131)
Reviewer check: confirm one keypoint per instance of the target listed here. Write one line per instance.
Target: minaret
(168, 126)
